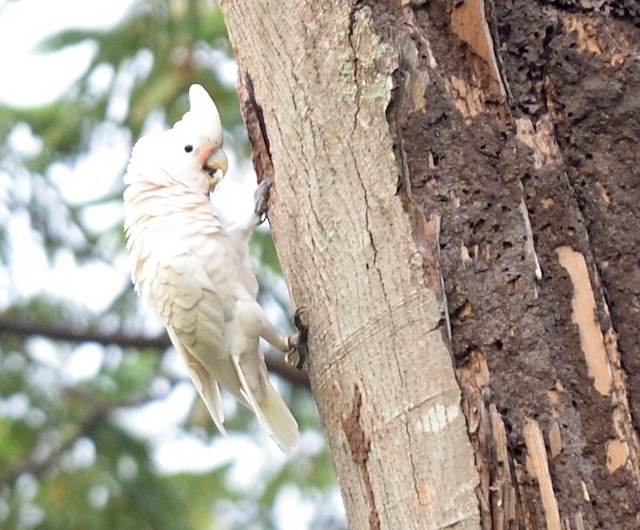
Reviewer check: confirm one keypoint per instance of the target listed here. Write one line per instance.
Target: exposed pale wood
(380, 366)
(603, 362)
(584, 316)
(622, 420)
(555, 439)
(504, 504)
(539, 467)
(469, 22)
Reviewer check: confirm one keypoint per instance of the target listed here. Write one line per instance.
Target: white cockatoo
(195, 273)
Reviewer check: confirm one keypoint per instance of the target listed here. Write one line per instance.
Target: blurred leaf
(133, 375)
(17, 440)
(264, 249)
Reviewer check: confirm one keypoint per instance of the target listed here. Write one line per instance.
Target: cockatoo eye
(188, 148)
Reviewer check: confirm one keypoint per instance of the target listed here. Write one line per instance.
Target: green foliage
(69, 457)
(131, 376)
(263, 249)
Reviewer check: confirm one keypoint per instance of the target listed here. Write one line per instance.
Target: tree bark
(456, 187)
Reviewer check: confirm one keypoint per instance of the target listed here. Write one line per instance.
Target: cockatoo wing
(185, 298)
(206, 386)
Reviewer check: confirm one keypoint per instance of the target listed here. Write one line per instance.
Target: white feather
(196, 274)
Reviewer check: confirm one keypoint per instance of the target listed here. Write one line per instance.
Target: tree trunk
(456, 204)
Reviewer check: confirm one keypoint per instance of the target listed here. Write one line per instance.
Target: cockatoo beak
(216, 166)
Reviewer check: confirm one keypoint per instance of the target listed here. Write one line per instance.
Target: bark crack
(414, 471)
(256, 126)
(360, 446)
(355, 61)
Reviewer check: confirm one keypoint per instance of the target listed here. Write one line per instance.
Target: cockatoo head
(200, 135)
(190, 153)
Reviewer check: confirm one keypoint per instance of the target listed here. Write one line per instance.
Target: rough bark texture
(537, 191)
(380, 367)
(490, 148)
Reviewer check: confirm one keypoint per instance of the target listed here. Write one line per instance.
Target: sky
(32, 78)
(23, 25)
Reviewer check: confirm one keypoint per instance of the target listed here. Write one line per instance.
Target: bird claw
(292, 358)
(299, 351)
(261, 198)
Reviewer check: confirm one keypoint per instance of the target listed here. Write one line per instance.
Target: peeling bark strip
(539, 467)
(469, 22)
(360, 446)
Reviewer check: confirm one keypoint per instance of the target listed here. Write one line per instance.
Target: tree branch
(24, 327)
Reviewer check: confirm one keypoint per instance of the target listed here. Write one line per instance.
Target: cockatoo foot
(261, 198)
(291, 357)
(297, 355)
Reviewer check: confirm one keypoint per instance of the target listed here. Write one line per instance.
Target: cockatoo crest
(202, 117)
